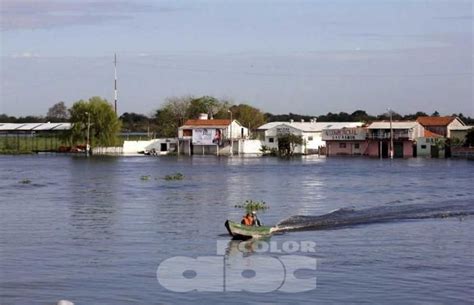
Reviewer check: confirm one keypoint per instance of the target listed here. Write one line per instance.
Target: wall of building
(453, 124)
(407, 149)
(373, 149)
(423, 147)
(458, 134)
(336, 148)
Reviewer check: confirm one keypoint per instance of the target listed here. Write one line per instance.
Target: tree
(134, 122)
(469, 141)
(104, 124)
(287, 144)
(177, 110)
(58, 113)
(248, 116)
(172, 115)
(436, 113)
(205, 104)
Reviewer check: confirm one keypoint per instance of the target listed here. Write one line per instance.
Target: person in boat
(247, 220)
(255, 221)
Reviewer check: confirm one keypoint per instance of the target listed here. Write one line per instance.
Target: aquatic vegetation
(145, 178)
(250, 205)
(25, 181)
(177, 176)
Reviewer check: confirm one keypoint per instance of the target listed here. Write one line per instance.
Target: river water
(94, 231)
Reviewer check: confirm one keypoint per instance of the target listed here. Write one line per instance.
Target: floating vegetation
(25, 181)
(250, 205)
(177, 176)
(145, 178)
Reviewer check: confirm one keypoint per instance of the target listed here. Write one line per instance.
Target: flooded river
(95, 231)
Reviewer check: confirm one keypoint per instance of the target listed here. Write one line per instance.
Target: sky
(306, 57)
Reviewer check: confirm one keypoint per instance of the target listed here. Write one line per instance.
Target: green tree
(104, 124)
(204, 104)
(469, 141)
(287, 144)
(248, 116)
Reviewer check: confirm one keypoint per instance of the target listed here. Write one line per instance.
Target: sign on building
(207, 136)
(344, 134)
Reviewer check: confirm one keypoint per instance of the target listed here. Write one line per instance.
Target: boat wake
(350, 217)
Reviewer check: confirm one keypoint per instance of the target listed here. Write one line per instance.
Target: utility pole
(231, 140)
(391, 134)
(88, 133)
(115, 84)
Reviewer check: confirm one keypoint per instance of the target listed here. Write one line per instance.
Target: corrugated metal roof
(395, 125)
(34, 126)
(312, 126)
(461, 127)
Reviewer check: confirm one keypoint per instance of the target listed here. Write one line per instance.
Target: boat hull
(240, 231)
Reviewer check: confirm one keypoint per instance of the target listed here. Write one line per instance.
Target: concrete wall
(250, 147)
(134, 147)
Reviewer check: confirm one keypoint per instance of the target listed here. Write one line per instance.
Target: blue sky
(307, 57)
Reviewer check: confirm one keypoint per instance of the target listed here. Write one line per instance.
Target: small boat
(240, 231)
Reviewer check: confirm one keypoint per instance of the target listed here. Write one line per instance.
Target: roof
(34, 126)
(207, 123)
(465, 127)
(395, 125)
(430, 134)
(435, 120)
(312, 126)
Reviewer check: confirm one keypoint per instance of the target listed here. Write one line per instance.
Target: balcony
(397, 135)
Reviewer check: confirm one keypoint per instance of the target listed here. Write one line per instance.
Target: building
(430, 145)
(157, 147)
(441, 125)
(311, 133)
(346, 141)
(211, 136)
(458, 133)
(405, 135)
(32, 137)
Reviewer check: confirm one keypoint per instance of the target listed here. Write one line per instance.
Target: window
(310, 138)
(270, 140)
(356, 145)
(423, 146)
(342, 145)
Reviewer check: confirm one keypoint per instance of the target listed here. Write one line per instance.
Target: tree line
(165, 121)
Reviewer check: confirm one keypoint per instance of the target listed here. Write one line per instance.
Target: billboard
(207, 136)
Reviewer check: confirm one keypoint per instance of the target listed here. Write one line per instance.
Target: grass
(177, 176)
(27, 145)
(250, 205)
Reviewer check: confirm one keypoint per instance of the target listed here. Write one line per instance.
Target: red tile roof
(222, 122)
(435, 120)
(430, 134)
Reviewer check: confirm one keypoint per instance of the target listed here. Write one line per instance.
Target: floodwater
(94, 231)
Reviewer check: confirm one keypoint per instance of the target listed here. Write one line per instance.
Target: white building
(311, 132)
(215, 136)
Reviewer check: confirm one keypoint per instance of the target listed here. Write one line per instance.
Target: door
(163, 147)
(384, 150)
(398, 149)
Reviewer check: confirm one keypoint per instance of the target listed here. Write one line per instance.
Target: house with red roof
(436, 131)
(211, 136)
(440, 125)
